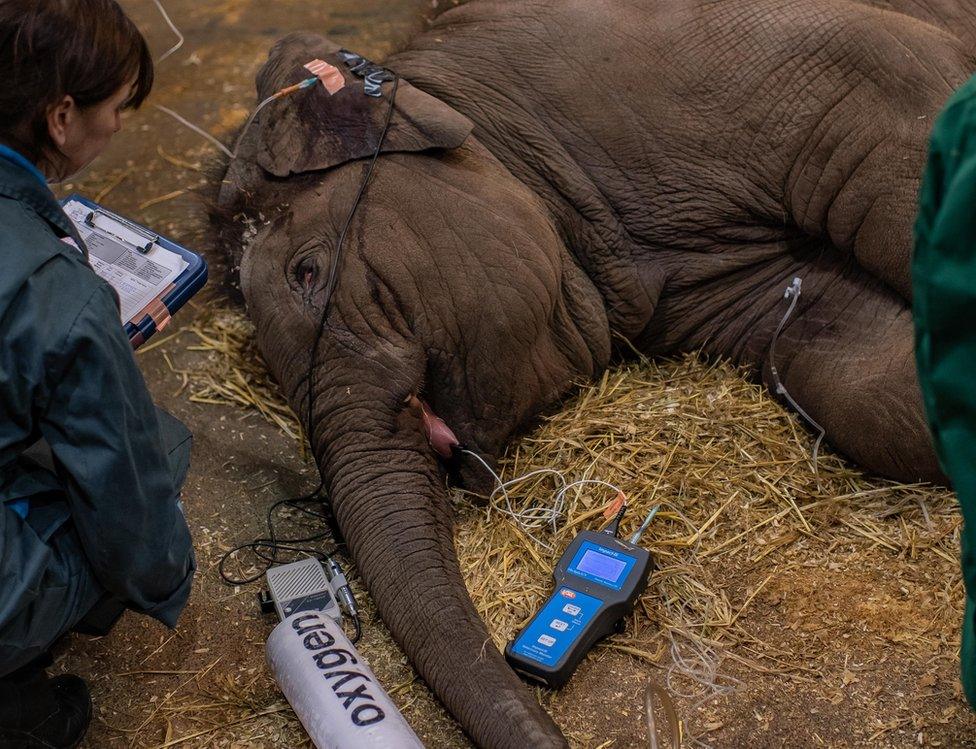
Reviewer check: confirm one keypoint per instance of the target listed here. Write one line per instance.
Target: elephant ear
(312, 129)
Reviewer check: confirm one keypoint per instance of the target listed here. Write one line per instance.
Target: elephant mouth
(440, 437)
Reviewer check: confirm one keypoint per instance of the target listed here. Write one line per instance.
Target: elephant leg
(846, 356)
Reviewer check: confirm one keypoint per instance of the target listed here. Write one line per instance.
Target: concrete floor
(206, 684)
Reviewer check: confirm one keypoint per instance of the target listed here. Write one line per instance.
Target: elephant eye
(306, 273)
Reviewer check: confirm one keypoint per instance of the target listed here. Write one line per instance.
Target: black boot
(38, 712)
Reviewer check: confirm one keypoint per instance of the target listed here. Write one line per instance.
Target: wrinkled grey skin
(640, 174)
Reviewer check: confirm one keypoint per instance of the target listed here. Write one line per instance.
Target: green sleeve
(103, 430)
(944, 277)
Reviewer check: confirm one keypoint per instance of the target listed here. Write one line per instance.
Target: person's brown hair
(88, 49)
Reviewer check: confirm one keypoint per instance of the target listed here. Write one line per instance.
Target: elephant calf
(560, 178)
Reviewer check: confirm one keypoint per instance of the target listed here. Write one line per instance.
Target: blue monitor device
(597, 581)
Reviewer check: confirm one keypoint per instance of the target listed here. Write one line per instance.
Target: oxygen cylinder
(331, 689)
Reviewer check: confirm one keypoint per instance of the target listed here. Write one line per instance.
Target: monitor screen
(601, 566)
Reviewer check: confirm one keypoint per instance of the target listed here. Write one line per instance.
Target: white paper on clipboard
(138, 277)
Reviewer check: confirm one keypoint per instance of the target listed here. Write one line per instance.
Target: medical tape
(157, 310)
(159, 313)
(614, 505)
(331, 77)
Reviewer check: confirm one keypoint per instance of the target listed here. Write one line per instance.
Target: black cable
(272, 542)
(358, 629)
(334, 269)
(613, 529)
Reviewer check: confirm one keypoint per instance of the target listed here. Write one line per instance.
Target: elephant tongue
(439, 434)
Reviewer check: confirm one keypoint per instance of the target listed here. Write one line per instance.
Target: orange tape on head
(330, 75)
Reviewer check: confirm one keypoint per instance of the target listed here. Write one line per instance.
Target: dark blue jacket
(68, 375)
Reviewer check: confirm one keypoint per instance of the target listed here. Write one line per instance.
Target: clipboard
(157, 314)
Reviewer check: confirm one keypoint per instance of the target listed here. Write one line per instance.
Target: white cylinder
(331, 689)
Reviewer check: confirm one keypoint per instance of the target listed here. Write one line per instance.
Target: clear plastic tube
(793, 294)
(172, 26)
(534, 518)
(198, 130)
(250, 120)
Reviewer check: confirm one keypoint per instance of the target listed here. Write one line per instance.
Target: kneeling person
(90, 471)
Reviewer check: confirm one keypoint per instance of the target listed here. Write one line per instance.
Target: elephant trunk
(392, 507)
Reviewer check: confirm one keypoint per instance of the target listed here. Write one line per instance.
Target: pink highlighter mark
(330, 75)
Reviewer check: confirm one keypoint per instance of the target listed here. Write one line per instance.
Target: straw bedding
(740, 499)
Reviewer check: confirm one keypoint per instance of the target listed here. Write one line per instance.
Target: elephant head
(452, 286)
